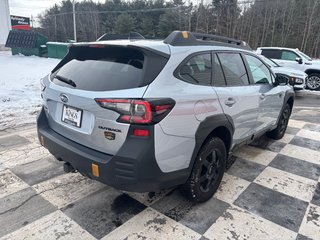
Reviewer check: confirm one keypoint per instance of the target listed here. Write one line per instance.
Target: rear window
(197, 70)
(107, 68)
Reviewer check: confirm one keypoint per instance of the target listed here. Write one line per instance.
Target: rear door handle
(262, 96)
(230, 102)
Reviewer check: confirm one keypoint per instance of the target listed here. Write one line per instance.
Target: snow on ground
(20, 88)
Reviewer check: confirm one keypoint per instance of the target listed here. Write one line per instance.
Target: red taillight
(138, 111)
(141, 132)
(162, 108)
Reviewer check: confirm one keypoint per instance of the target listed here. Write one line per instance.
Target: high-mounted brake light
(138, 111)
(97, 46)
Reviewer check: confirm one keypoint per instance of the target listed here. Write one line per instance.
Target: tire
(313, 81)
(279, 132)
(207, 171)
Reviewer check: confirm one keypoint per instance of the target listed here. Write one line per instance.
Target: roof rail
(185, 38)
(112, 36)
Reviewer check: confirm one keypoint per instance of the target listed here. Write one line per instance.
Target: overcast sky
(26, 8)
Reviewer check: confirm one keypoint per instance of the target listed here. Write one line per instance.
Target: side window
(218, 77)
(197, 70)
(260, 72)
(288, 55)
(234, 69)
(271, 53)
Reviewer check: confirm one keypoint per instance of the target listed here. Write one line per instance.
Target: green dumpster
(27, 43)
(57, 49)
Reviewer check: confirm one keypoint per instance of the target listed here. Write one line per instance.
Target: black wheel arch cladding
(220, 125)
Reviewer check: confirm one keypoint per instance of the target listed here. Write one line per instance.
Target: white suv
(294, 58)
(143, 115)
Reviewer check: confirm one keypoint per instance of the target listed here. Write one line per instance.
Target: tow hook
(67, 167)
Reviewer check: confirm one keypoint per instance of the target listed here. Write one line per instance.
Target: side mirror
(281, 80)
(299, 60)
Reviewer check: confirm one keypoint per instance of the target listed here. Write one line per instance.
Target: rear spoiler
(72, 54)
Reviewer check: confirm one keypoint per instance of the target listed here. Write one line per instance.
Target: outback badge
(110, 135)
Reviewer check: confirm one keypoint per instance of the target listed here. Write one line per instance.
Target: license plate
(299, 81)
(71, 116)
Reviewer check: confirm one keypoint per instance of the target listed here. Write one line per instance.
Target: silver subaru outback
(144, 115)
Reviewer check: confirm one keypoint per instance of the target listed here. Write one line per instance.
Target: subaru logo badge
(64, 98)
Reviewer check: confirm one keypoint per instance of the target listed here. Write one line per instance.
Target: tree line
(287, 23)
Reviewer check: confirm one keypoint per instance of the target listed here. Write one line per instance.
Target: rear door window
(106, 68)
(197, 70)
(271, 53)
(218, 77)
(234, 69)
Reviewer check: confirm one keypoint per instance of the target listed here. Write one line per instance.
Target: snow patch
(20, 88)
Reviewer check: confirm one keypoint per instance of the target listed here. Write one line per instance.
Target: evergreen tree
(168, 23)
(125, 24)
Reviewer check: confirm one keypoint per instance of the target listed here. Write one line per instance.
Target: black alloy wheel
(207, 171)
(279, 132)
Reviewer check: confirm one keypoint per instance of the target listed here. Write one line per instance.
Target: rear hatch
(89, 75)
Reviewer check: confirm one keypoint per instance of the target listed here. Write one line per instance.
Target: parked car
(296, 78)
(144, 115)
(294, 58)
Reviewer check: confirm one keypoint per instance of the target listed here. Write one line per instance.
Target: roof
(279, 48)
(181, 40)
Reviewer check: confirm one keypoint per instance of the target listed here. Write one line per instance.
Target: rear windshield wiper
(65, 80)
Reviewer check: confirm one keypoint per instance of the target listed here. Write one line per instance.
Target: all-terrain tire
(279, 132)
(207, 171)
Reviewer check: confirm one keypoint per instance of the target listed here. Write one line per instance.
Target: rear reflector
(95, 170)
(141, 132)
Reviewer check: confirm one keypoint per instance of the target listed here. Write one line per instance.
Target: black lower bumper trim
(133, 168)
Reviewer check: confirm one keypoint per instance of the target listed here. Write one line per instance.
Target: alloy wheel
(209, 170)
(284, 120)
(313, 82)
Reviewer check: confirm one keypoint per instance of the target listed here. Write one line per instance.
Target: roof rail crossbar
(112, 36)
(184, 38)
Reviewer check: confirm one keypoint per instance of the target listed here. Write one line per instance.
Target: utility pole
(74, 20)
(31, 21)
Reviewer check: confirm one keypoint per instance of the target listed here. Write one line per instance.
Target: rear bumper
(133, 168)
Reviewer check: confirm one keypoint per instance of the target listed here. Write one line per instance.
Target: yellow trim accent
(185, 34)
(95, 170)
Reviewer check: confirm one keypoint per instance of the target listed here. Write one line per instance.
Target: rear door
(97, 72)
(270, 97)
(237, 97)
(283, 57)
